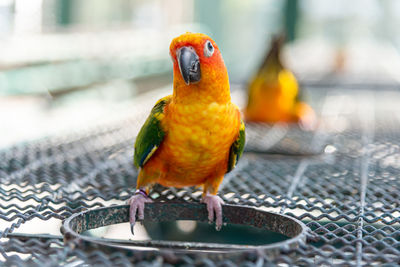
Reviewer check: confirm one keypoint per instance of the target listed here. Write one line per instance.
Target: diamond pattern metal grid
(349, 196)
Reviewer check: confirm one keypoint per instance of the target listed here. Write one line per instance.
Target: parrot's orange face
(198, 65)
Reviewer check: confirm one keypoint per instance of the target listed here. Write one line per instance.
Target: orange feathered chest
(197, 142)
(273, 99)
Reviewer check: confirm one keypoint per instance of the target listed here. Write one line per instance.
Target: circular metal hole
(74, 226)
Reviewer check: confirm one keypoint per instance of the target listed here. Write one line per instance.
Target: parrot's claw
(136, 203)
(308, 123)
(214, 205)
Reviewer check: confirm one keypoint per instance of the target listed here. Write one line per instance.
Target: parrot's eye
(208, 49)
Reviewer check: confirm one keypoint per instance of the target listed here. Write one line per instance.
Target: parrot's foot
(136, 203)
(308, 123)
(214, 204)
(306, 117)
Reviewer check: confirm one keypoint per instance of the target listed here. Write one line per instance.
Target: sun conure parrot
(273, 93)
(194, 136)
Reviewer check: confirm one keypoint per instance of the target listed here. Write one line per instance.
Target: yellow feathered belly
(197, 143)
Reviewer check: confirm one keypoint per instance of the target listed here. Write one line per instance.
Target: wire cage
(347, 195)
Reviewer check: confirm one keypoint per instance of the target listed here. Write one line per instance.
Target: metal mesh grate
(349, 196)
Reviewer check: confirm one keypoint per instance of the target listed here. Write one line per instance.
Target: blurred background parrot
(194, 136)
(273, 93)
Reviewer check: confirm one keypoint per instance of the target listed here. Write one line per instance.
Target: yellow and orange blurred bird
(273, 93)
(194, 136)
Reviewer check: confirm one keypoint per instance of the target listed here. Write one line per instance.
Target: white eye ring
(208, 49)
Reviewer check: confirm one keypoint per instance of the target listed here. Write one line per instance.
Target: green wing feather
(237, 147)
(151, 134)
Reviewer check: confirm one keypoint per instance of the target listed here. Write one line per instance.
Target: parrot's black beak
(189, 64)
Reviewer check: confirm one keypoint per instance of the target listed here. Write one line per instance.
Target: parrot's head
(273, 59)
(199, 69)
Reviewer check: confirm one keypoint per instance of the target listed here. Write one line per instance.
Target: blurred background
(86, 74)
(69, 64)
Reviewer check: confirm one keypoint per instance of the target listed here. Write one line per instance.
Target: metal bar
(328, 106)
(26, 236)
(366, 112)
(296, 180)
